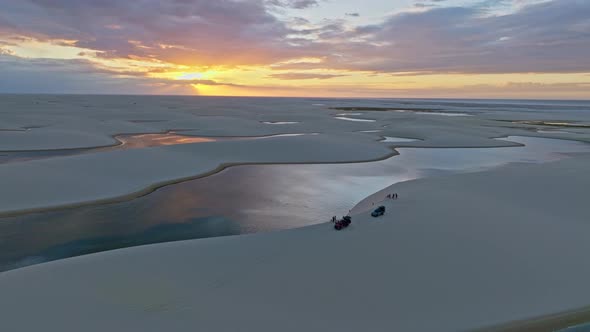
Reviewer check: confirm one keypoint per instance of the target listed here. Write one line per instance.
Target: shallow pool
(130, 141)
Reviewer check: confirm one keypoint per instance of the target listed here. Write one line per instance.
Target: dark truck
(378, 211)
(343, 223)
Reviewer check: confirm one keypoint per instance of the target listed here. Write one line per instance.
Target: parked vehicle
(342, 223)
(378, 211)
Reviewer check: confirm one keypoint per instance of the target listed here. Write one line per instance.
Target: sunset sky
(331, 48)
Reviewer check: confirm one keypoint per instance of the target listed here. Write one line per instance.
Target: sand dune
(453, 253)
(60, 122)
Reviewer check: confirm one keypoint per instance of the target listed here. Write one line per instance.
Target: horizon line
(276, 97)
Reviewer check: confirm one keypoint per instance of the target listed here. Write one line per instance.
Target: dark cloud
(353, 14)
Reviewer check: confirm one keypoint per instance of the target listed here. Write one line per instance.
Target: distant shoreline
(290, 97)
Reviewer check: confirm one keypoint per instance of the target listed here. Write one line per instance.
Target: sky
(529, 49)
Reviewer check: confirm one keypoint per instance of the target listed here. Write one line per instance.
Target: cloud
(353, 14)
(4, 51)
(423, 5)
(295, 4)
(304, 76)
(81, 76)
(431, 3)
(535, 38)
(221, 32)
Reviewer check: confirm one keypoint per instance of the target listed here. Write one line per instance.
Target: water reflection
(150, 140)
(554, 124)
(125, 141)
(371, 131)
(390, 139)
(353, 119)
(130, 141)
(552, 132)
(245, 199)
(443, 113)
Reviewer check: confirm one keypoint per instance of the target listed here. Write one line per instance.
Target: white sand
(453, 253)
(89, 177)
(57, 122)
(481, 253)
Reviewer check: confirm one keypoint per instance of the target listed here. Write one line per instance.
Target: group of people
(389, 196)
(392, 196)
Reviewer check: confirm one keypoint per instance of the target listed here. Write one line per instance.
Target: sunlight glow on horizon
(343, 58)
